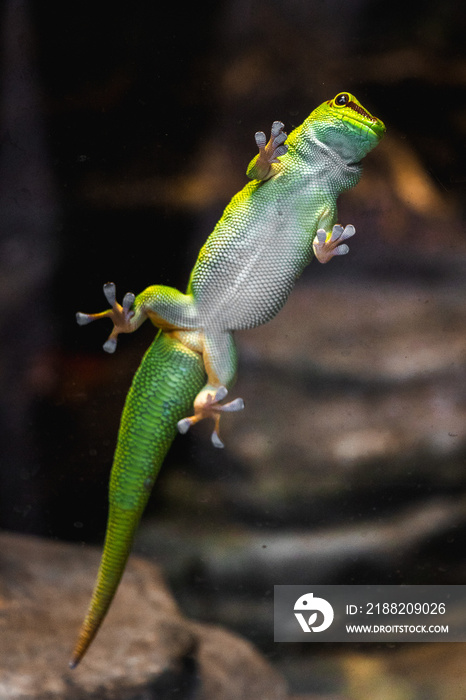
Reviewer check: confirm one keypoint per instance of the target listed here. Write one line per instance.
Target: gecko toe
(336, 232)
(279, 151)
(342, 249)
(128, 301)
(110, 293)
(277, 128)
(236, 405)
(83, 319)
(348, 232)
(110, 345)
(216, 442)
(221, 392)
(183, 425)
(261, 139)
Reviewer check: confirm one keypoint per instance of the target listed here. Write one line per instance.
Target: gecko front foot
(120, 314)
(326, 246)
(269, 152)
(207, 405)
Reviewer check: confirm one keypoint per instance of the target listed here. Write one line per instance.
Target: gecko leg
(166, 307)
(207, 405)
(220, 360)
(120, 314)
(326, 245)
(261, 167)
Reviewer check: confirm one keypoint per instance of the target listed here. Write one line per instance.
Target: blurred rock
(414, 672)
(145, 649)
(317, 697)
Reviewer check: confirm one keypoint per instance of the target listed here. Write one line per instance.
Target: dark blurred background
(126, 128)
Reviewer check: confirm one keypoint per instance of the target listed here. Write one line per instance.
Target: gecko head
(344, 125)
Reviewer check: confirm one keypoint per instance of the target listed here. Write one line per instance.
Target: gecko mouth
(361, 110)
(376, 126)
(364, 119)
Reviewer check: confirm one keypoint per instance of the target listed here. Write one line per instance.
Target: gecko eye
(342, 99)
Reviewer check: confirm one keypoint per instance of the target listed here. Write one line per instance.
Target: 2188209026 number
(405, 608)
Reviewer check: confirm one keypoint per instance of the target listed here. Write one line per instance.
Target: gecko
(245, 271)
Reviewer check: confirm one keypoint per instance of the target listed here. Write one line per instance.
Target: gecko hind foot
(326, 246)
(207, 405)
(120, 314)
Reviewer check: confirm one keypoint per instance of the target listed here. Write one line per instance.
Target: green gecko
(245, 271)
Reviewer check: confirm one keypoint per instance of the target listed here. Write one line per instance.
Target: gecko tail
(162, 393)
(118, 540)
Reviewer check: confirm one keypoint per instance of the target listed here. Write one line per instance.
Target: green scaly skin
(162, 392)
(244, 273)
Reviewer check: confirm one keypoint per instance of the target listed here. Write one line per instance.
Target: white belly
(248, 278)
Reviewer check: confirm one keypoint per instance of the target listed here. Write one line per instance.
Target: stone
(145, 648)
